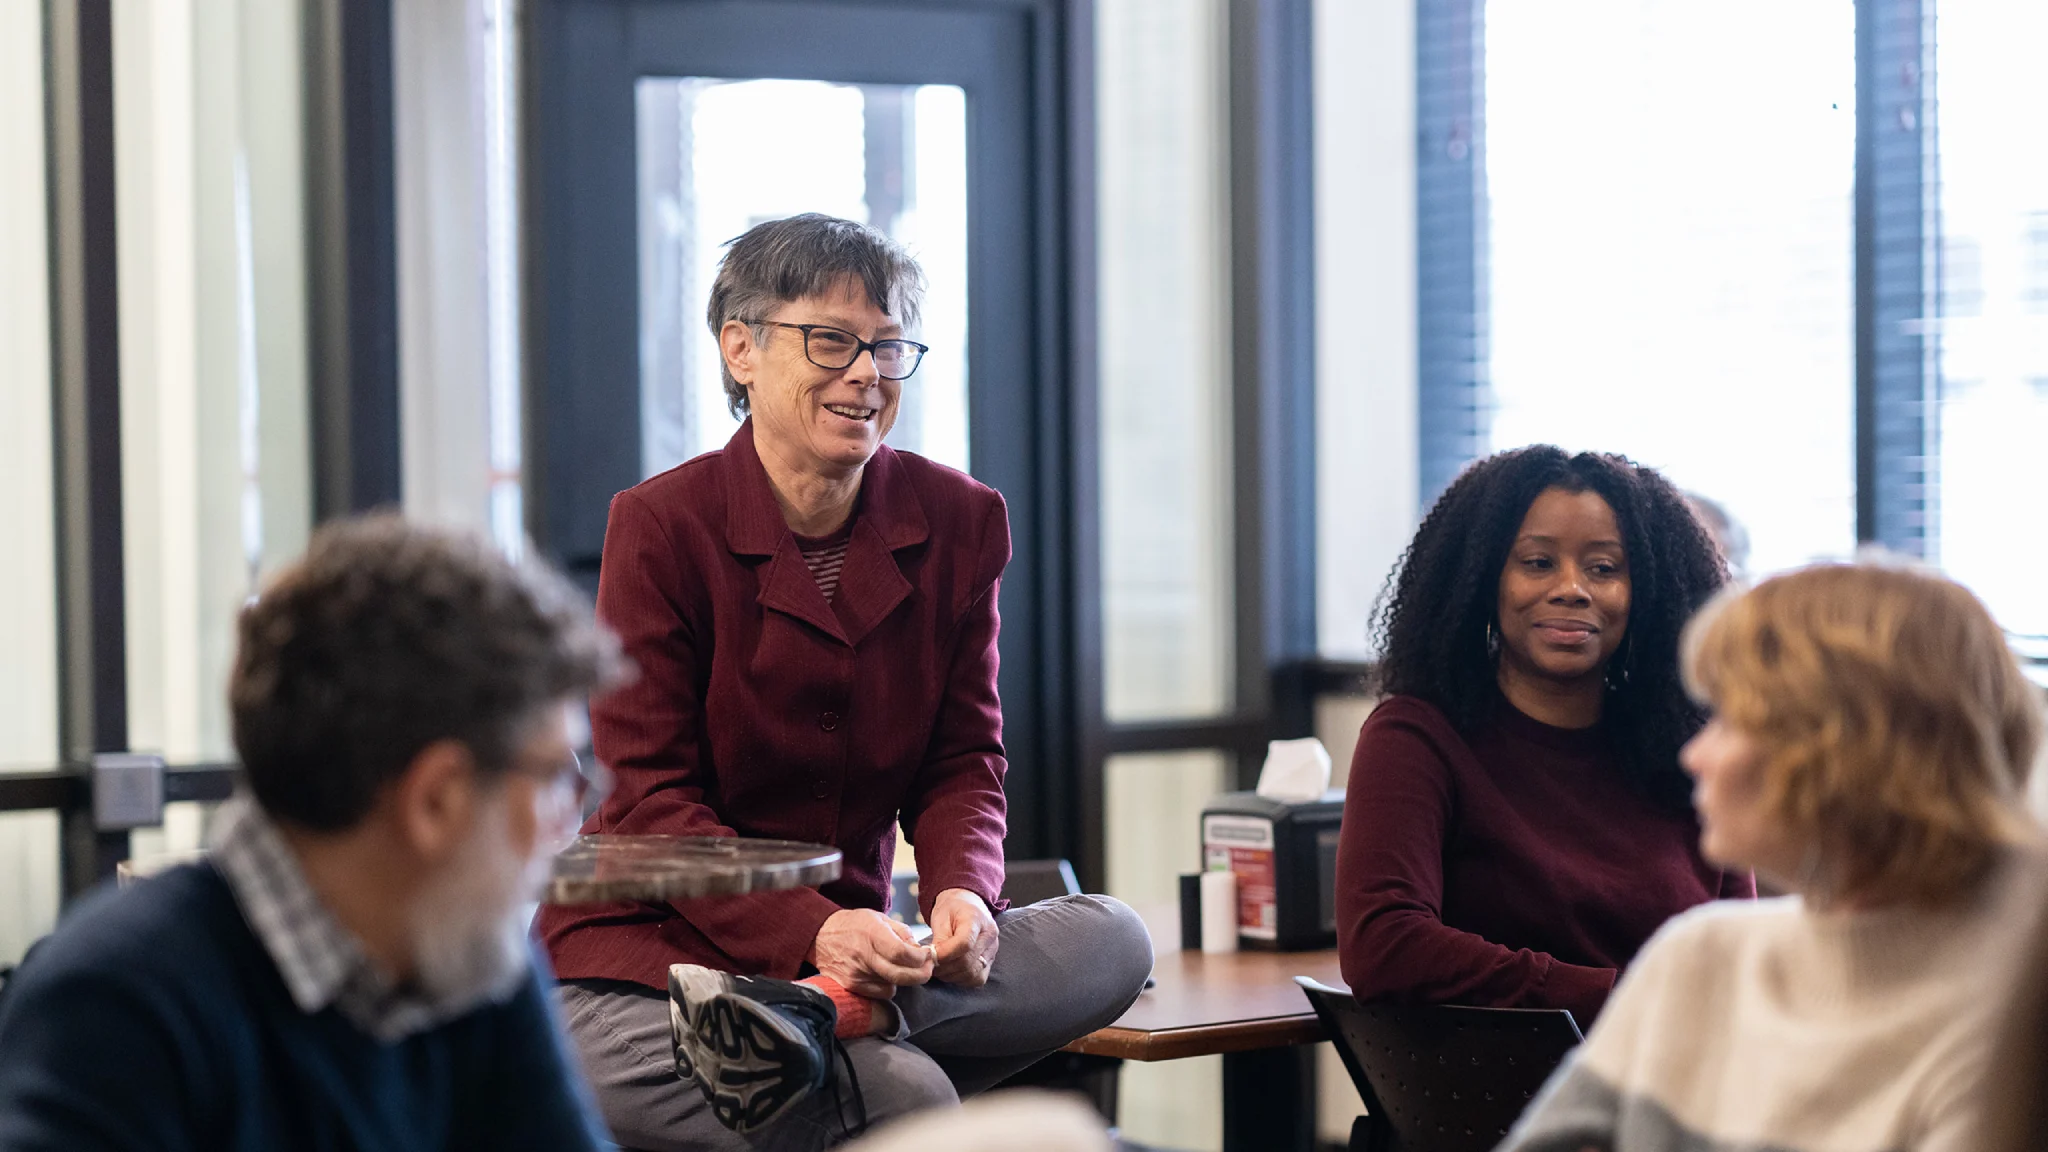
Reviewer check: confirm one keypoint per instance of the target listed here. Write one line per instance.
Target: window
(1668, 191)
(1993, 413)
(894, 156)
(1163, 263)
(1164, 345)
(1676, 275)
(215, 463)
(2034, 284)
(28, 581)
(455, 176)
(1365, 300)
(216, 472)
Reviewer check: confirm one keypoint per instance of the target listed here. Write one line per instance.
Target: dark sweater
(154, 1019)
(1516, 870)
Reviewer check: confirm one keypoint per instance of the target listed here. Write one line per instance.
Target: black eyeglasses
(576, 783)
(836, 348)
(566, 793)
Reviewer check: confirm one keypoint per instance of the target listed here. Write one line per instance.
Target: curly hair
(1433, 617)
(387, 637)
(1897, 729)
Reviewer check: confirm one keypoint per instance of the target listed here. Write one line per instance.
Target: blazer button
(829, 721)
(820, 789)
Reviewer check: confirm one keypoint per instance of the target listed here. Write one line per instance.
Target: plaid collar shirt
(322, 962)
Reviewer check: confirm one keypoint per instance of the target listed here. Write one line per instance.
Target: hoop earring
(1492, 641)
(1619, 667)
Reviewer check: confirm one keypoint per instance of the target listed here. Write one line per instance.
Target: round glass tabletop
(604, 868)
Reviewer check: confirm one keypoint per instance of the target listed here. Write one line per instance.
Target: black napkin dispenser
(1285, 857)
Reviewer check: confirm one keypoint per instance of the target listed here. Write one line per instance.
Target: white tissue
(1296, 771)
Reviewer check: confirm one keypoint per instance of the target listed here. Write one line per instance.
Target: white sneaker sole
(736, 1051)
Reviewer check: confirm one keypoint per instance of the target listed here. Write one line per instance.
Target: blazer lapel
(753, 520)
(787, 586)
(754, 527)
(871, 585)
(891, 517)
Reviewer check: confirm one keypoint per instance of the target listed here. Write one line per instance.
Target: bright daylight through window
(1671, 248)
(1994, 326)
(892, 156)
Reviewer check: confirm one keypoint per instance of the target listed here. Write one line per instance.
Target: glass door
(891, 155)
(658, 130)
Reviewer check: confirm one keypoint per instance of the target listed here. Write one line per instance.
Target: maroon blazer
(762, 710)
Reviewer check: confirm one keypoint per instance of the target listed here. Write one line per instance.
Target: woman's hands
(869, 954)
(963, 938)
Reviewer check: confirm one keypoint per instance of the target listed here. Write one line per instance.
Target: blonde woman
(1870, 741)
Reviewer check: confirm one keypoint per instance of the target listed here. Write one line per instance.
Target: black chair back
(1024, 882)
(1029, 881)
(1440, 1078)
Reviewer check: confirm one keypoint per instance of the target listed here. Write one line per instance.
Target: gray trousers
(1064, 968)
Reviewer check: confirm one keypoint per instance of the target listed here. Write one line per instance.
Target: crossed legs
(1066, 967)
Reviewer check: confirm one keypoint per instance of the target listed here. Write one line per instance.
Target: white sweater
(1768, 1025)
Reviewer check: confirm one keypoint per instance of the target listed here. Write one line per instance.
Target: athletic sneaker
(755, 1046)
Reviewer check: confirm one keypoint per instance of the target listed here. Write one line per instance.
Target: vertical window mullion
(1450, 251)
(1897, 269)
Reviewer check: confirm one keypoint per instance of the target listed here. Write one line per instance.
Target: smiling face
(1564, 592)
(815, 420)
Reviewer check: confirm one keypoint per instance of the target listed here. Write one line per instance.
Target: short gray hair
(783, 260)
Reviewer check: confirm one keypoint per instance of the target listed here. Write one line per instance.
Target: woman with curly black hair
(1517, 824)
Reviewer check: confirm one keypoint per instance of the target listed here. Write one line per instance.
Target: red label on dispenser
(1244, 845)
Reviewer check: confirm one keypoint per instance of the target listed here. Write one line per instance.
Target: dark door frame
(85, 342)
(1025, 68)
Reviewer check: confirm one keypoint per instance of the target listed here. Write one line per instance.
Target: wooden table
(1244, 1006)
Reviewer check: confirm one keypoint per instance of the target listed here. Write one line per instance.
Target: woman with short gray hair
(814, 619)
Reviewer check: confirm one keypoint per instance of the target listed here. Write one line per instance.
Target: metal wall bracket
(127, 791)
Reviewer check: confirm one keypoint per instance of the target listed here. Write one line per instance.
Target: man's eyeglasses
(836, 348)
(574, 788)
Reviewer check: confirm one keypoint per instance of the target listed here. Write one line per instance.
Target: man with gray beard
(348, 968)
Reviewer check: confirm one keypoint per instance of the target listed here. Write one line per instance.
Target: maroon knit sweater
(1518, 869)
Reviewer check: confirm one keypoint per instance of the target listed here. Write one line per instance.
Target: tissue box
(1285, 857)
